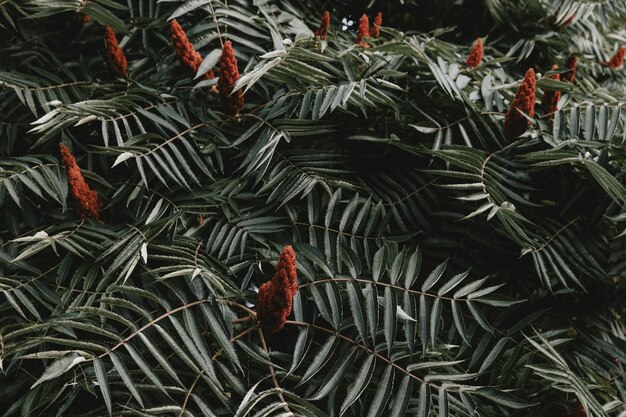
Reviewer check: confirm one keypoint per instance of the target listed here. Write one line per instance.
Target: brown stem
(272, 373)
(193, 385)
(245, 332)
(360, 345)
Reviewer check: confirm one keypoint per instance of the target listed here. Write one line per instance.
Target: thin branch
(151, 323)
(273, 374)
(193, 385)
(360, 345)
(245, 332)
(384, 284)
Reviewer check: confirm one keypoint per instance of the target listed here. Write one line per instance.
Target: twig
(273, 374)
(245, 332)
(193, 385)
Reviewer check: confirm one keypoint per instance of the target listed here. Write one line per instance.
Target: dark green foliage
(443, 270)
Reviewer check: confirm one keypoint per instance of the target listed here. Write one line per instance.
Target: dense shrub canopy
(460, 247)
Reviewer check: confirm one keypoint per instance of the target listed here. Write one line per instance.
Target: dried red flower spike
(82, 19)
(563, 24)
(87, 202)
(364, 31)
(617, 60)
(185, 51)
(275, 297)
(228, 76)
(579, 411)
(322, 31)
(114, 54)
(571, 64)
(378, 22)
(476, 54)
(515, 123)
(551, 98)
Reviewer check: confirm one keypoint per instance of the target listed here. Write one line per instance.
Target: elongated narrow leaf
(123, 372)
(336, 375)
(390, 318)
(103, 384)
(360, 383)
(356, 300)
(423, 407)
(383, 392)
(434, 276)
(323, 355)
(402, 397)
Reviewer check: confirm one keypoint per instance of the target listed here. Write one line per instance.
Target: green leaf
(335, 375)
(360, 383)
(356, 300)
(403, 395)
(443, 402)
(103, 384)
(380, 263)
(321, 357)
(412, 268)
(123, 372)
(371, 304)
(423, 401)
(187, 7)
(434, 276)
(220, 334)
(391, 306)
(59, 367)
(383, 393)
(424, 322)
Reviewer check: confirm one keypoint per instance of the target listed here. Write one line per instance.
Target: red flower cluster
(568, 22)
(87, 202)
(228, 76)
(184, 50)
(551, 98)
(275, 297)
(476, 54)
(378, 22)
(580, 411)
(364, 31)
(515, 123)
(571, 64)
(563, 24)
(82, 19)
(115, 56)
(617, 60)
(322, 31)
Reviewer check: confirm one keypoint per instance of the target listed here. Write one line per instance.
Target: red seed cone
(114, 54)
(364, 31)
(515, 123)
(378, 22)
(275, 297)
(476, 54)
(185, 51)
(571, 64)
(563, 24)
(228, 76)
(87, 202)
(568, 22)
(322, 31)
(82, 19)
(617, 60)
(579, 411)
(551, 98)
